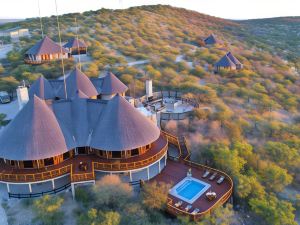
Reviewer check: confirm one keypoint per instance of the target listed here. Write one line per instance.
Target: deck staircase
(185, 152)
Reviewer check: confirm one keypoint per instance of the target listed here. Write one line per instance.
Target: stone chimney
(149, 91)
(23, 97)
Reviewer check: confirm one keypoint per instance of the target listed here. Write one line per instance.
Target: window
(81, 150)
(116, 154)
(48, 162)
(134, 152)
(66, 155)
(28, 164)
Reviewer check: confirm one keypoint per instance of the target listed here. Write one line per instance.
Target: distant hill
(4, 21)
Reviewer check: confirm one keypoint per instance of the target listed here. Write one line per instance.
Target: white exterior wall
(23, 98)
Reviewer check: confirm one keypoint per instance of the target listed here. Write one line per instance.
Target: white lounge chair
(220, 180)
(195, 211)
(188, 207)
(212, 177)
(178, 204)
(206, 173)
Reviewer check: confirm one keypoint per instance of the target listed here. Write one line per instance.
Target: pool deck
(176, 170)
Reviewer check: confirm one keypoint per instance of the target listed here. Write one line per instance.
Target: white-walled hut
(228, 62)
(76, 46)
(45, 50)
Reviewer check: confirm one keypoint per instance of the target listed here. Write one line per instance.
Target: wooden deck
(71, 166)
(176, 170)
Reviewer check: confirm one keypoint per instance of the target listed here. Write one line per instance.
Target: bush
(47, 209)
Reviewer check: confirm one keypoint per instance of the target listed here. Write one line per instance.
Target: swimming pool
(189, 189)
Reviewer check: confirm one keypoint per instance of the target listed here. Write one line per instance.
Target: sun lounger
(178, 204)
(187, 208)
(220, 180)
(206, 173)
(212, 177)
(195, 211)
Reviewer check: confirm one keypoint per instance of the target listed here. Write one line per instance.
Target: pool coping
(173, 191)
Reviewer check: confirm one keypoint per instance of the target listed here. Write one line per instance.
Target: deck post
(7, 186)
(73, 190)
(53, 184)
(30, 188)
(130, 176)
(159, 169)
(165, 160)
(148, 173)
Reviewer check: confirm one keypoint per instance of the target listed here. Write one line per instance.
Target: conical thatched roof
(46, 46)
(122, 127)
(78, 81)
(233, 59)
(225, 62)
(41, 88)
(75, 43)
(33, 134)
(211, 40)
(112, 85)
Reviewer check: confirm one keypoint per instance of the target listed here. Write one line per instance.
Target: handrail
(223, 199)
(131, 165)
(57, 190)
(39, 176)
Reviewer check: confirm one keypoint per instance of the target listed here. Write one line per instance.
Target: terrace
(71, 166)
(177, 169)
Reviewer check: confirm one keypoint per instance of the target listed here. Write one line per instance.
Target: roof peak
(112, 85)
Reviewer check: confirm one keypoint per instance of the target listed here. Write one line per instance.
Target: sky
(229, 9)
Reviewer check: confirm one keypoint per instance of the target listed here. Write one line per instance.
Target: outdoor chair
(178, 204)
(212, 177)
(206, 173)
(195, 211)
(220, 180)
(188, 207)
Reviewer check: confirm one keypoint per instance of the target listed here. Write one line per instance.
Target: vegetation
(248, 121)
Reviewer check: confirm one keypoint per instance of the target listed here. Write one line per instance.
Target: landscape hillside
(248, 122)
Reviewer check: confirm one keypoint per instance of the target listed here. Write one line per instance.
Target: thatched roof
(77, 81)
(112, 85)
(122, 127)
(233, 59)
(75, 43)
(225, 62)
(33, 134)
(41, 88)
(46, 46)
(211, 40)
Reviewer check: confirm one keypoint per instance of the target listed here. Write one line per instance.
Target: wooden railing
(173, 140)
(32, 177)
(177, 211)
(119, 166)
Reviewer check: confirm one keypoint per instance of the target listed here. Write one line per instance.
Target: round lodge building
(76, 132)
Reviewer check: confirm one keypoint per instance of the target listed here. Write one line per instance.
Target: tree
(282, 154)
(95, 217)
(2, 70)
(47, 209)
(112, 192)
(221, 215)
(273, 211)
(155, 195)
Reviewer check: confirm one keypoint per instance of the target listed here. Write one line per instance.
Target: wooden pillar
(148, 173)
(30, 188)
(53, 184)
(159, 169)
(7, 186)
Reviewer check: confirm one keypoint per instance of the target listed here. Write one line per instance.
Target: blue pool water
(189, 189)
